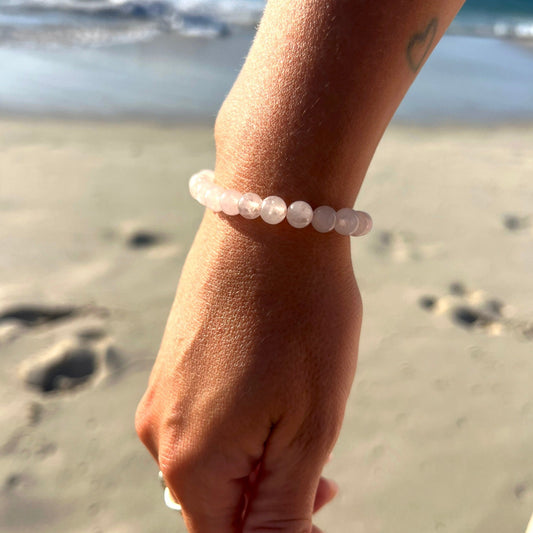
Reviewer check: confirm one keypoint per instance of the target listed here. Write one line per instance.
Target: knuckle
(144, 425)
(319, 434)
(168, 468)
(184, 475)
(177, 465)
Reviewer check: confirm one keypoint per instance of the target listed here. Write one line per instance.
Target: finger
(326, 491)
(211, 494)
(283, 496)
(217, 510)
(224, 516)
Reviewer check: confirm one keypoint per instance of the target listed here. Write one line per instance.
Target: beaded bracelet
(273, 209)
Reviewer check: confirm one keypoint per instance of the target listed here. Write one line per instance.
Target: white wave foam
(242, 12)
(194, 18)
(501, 29)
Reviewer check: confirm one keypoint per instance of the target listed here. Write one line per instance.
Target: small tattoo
(420, 45)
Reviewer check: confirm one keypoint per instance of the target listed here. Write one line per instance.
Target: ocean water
(176, 59)
(105, 22)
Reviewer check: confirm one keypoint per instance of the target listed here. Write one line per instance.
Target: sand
(95, 223)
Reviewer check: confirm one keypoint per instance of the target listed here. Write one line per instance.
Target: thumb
(283, 496)
(327, 490)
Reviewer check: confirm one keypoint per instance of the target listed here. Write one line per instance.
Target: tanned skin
(247, 395)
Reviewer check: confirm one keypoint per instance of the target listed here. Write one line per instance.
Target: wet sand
(95, 223)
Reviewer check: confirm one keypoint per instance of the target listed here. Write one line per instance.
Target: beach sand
(95, 223)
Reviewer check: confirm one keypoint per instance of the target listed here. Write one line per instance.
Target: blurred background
(106, 109)
(176, 59)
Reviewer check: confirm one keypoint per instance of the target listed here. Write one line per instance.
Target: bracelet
(273, 209)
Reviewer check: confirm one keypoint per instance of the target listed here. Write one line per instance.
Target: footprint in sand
(141, 238)
(15, 319)
(522, 490)
(135, 236)
(70, 365)
(403, 246)
(155, 244)
(474, 310)
(14, 482)
(516, 222)
(91, 333)
(19, 318)
(33, 315)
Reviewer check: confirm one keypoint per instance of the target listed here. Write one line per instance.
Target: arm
(247, 395)
(318, 89)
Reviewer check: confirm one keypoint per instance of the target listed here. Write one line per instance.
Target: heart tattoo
(420, 45)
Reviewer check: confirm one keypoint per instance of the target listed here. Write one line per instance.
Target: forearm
(320, 84)
(247, 395)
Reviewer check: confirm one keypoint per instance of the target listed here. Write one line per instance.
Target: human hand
(248, 392)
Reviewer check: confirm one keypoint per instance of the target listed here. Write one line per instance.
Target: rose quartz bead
(195, 183)
(212, 197)
(347, 221)
(365, 224)
(198, 179)
(273, 209)
(199, 183)
(250, 205)
(299, 214)
(324, 218)
(202, 191)
(229, 202)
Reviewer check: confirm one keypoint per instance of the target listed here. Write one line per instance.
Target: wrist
(280, 243)
(270, 160)
(274, 210)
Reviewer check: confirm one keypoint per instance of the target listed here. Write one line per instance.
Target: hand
(248, 392)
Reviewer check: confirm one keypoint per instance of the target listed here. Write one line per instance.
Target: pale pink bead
(212, 197)
(365, 224)
(202, 191)
(195, 183)
(273, 210)
(324, 218)
(250, 205)
(299, 214)
(347, 221)
(199, 183)
(229, 202)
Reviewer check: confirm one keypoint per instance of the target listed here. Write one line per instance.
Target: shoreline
(175, 79)
(205, 123)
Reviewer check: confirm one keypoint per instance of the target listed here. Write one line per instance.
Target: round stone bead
(197, 179)
(324, 218)
(195, 183)
(199, 183)
(250, 205)
(347, 221)
(299, 214)
(365, 224)
(202, 192)
(229, 202)
(273, 209)
(212, 197)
